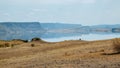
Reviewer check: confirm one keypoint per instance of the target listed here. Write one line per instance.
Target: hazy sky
(86, 12)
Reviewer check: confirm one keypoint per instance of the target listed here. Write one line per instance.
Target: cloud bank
(47, 2)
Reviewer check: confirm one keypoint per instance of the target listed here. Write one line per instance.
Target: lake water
(57, 37)
(88, 37)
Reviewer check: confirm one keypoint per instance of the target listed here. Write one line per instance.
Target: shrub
(36, 39)
(20, 40)
(116, 44)
(6, 45)
(12, 45)
(1, 45)
(32, 45)
(25, 41)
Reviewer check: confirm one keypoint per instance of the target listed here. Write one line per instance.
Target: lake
(55, 32)
(88, 37)
(57, 37)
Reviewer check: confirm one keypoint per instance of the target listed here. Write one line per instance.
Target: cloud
(88, 1)
(6, 14)
(65, 1)
(36, 10)
(47, 2)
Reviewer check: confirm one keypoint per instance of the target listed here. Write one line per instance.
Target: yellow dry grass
(66, 54)
(9, 43)
(116, 44)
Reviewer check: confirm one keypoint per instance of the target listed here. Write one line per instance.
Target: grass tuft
(7, 45)
(116, 44)
(32, 45)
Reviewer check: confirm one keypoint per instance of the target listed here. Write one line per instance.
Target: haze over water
(88, 37)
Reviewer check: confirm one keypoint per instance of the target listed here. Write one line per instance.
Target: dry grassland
(66, 54)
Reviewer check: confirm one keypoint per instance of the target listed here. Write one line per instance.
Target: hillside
(66, 54)
(20, 30)
(28, 30)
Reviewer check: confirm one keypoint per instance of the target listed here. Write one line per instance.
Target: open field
(66, 54)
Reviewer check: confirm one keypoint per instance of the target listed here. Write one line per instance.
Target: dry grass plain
(66, 54)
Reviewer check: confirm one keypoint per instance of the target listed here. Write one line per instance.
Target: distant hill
(28, 30)
(104, 28)
(33, 26)
(59, 25)
(20, 30)
(21, 26)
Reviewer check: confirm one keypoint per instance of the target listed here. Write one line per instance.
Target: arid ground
(66, 54)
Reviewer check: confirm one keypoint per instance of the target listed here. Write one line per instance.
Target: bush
(32, 45)
(36, 39)
(116, 44)
(6, 45)
(12, 45)
(1, 45)
(25, 41)
(20, 40)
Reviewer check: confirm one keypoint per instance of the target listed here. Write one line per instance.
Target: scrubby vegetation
(36, 39)
(116, 44)
(1, 45)
(5, 45)
(32, 45)
(20, 40)
(11, 43)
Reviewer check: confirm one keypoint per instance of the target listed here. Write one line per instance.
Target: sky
(85, 12)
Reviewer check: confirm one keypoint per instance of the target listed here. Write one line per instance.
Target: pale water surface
(89, 37)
